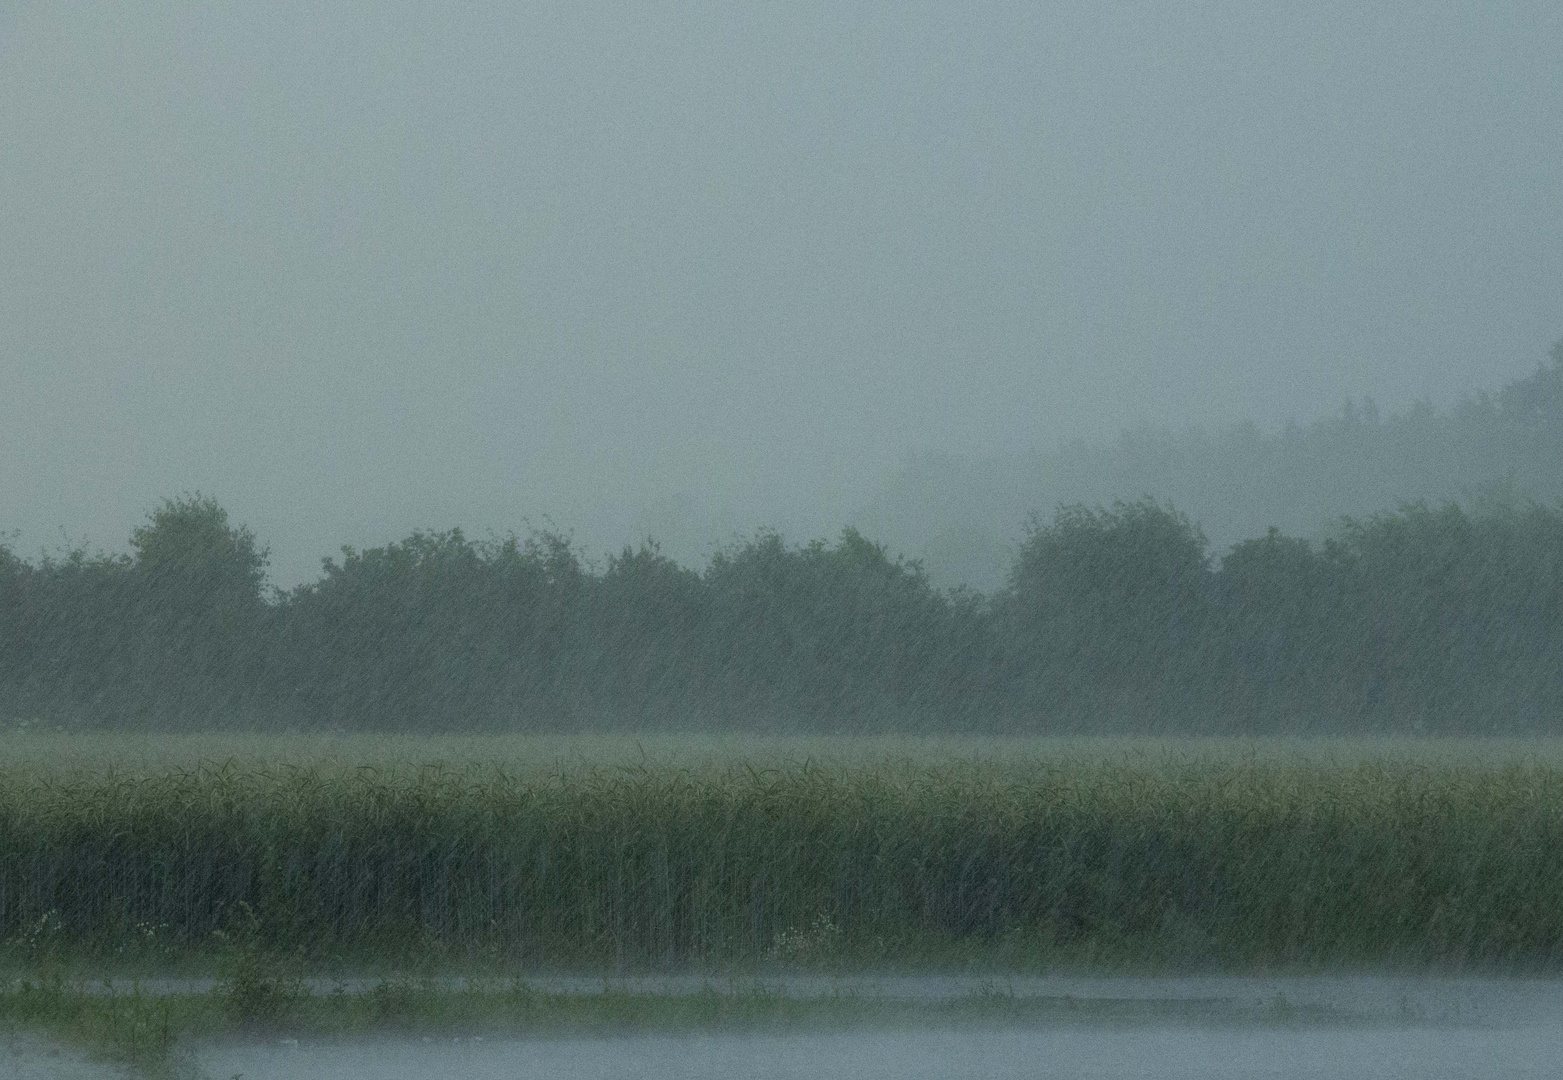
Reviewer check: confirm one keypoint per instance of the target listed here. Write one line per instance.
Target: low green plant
(263, 984)
(132, 1027)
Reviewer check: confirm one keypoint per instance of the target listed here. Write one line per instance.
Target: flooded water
(1480, 1002)
(27, 1056)
(1168, 1053)
(1318, 1028)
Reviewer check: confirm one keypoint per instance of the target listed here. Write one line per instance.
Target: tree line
(1113, 619)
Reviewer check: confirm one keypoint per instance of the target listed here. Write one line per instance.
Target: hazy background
(690, 269)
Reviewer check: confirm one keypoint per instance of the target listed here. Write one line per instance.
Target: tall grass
(1228, 863)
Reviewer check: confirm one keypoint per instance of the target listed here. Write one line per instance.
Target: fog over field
(686, 270)
(781, 539)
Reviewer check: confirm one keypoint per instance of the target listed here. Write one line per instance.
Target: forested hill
(964, 517)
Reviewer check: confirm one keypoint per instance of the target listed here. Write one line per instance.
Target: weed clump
(263, 984)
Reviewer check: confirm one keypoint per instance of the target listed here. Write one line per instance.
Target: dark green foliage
(1110, 613)
(175, 636)
(198, 583)
(433, 629)
(440, 631)
(845, 635)
(1427, 619)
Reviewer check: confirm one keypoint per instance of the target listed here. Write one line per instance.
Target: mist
(781, 539)
(685, 271)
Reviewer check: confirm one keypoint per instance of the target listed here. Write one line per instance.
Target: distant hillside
(965, 518)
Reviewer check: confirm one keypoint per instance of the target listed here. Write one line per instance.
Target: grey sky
(359, 268)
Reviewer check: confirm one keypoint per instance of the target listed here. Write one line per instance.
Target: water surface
(1167, 1052)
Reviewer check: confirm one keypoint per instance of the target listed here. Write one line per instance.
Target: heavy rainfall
(869, 539)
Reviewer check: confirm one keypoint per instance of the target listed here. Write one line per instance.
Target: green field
(510, 854)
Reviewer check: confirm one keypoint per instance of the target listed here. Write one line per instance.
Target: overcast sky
(359, 268)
